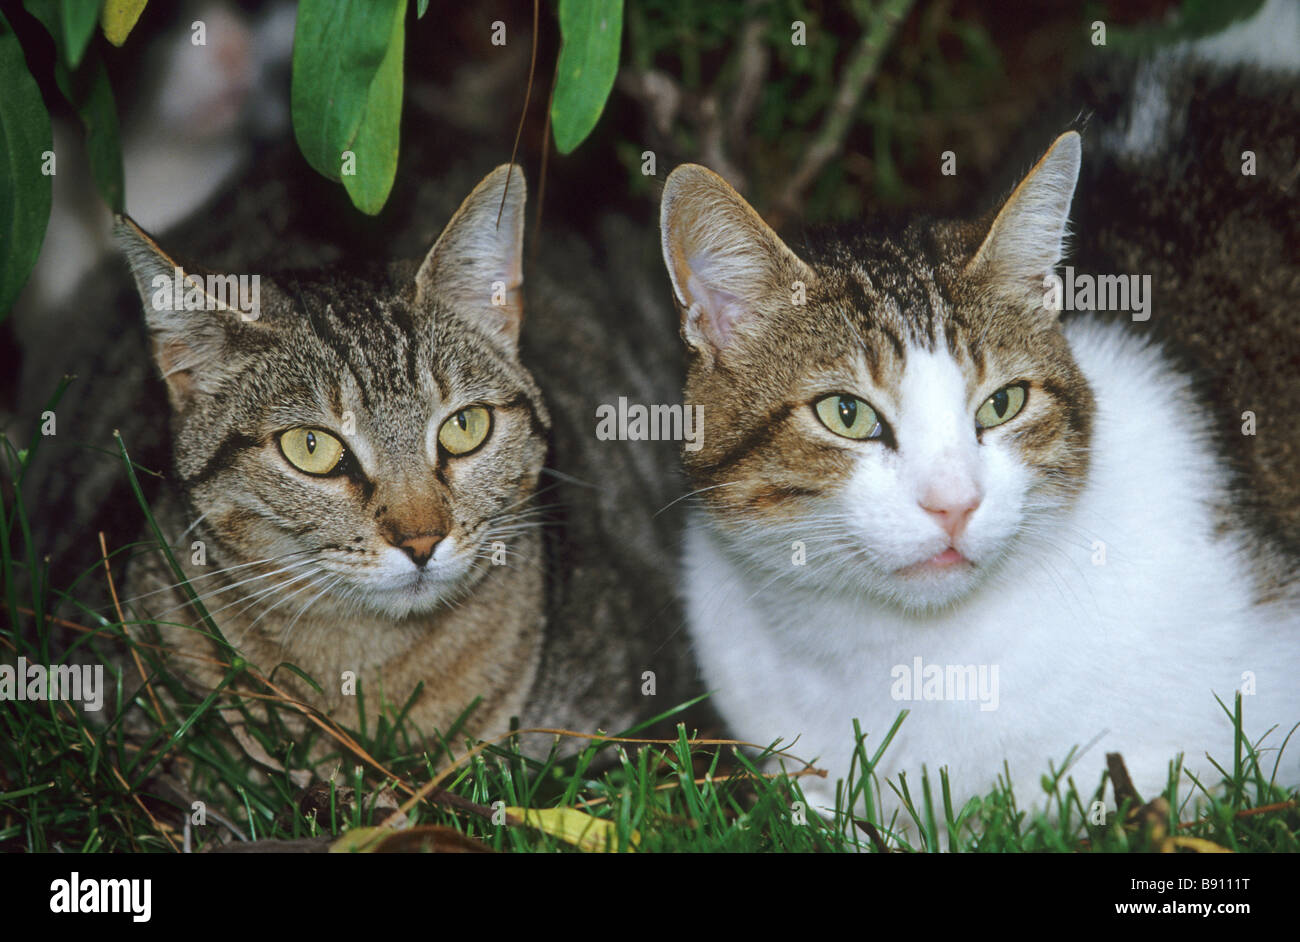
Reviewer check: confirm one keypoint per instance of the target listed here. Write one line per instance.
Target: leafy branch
(345, 102)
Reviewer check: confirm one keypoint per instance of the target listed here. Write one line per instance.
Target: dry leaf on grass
(427, 839)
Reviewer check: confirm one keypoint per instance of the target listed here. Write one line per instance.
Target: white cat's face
(932, 515)
(930, 501)
(888, 416)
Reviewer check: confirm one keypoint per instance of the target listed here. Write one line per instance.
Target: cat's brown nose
(420, 548)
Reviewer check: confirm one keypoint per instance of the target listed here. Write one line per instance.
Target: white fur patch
(1150, 117)
(1270, 39)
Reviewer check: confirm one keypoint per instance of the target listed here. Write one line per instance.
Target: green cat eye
(311, 450)
(1001, 406)
(848, 416)
(465, 430)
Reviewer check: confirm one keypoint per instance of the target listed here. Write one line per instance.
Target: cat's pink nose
(952, 512)
(420, 548)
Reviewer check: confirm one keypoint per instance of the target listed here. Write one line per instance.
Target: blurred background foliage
(943, 75)
(816, 110)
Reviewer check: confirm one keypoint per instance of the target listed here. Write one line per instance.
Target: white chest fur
(1113, 631)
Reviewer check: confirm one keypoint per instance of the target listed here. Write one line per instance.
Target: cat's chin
(935, 582)
(416, 593)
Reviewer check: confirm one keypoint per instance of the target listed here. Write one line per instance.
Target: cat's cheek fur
(1001, 514)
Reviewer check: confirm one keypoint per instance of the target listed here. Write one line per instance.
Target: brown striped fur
(296, 564)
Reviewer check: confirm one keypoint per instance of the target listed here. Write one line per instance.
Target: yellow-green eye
(1000, 406)
(848, 416)
(311, 450)
(465, 430)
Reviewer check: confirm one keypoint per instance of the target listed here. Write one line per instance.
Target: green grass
(71, 783)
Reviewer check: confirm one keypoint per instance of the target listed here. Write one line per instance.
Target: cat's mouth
(424, 582)
(415, 591)
(948, 560)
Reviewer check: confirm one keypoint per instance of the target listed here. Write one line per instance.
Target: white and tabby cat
(908, 455)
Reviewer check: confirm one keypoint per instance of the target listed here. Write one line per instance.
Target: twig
(117, 606)
(175, 790)
(751, 69)
(432, 791)
(709, 118)
(528, 97)
(658, 92)
(160, 648)
(862, 67)
(1250, 812)
(136, 798)
(433, 783)
(706, 779)
(541, 183)
(438, 796)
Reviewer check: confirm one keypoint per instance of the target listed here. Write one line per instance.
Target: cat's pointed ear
(723, 259)
(1026, 240)
(476, 266)
(190, 319)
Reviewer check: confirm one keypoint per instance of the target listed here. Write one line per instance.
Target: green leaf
(118, 19)
(78, 19)
(47, 11)
(582, 830)
(89, 92)
(338, 47)
(592, 32)
(1195, 20)
(70, 24)
(91, 96)
(25, 137)
(421, 7)
(377, 138)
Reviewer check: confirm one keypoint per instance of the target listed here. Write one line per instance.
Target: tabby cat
(925, 487)
(352, 456)
(363, 475)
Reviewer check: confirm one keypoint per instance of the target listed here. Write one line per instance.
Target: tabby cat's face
(375, 435)
(900, 429)
(388, 446)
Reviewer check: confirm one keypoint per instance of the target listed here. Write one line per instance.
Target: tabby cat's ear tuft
(723, 259)
(1026, 240)
(476, 266)
(190, 328)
